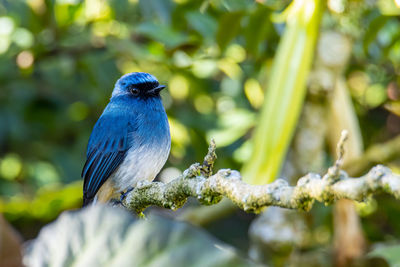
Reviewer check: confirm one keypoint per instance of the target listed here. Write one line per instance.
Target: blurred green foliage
(154, 242)
(59, 60)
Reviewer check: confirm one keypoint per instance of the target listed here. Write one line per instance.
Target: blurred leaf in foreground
(105, 236)
(390, 253)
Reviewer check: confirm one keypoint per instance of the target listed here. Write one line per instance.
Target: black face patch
(146, 86)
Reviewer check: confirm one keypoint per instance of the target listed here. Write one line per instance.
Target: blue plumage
(130, 141)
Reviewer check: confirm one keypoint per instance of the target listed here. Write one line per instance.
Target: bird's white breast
(141, 163)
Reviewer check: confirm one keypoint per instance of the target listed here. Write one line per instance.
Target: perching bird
(130, 142)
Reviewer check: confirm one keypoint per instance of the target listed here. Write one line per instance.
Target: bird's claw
(115, 202)
(123, 195)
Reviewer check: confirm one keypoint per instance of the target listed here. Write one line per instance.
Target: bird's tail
(87, 201)
(104, 195)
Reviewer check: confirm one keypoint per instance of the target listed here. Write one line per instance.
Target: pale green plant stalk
(286, 90)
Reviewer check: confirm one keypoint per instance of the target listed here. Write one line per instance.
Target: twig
(378, 153)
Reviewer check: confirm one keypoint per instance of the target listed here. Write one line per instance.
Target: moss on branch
(199, 182)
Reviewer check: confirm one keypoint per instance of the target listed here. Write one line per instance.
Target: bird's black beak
(157, 89)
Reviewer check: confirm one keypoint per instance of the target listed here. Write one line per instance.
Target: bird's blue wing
(108, 144)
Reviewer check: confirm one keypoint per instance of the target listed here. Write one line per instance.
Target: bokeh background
(335, 65)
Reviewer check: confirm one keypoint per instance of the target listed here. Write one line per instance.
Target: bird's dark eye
(134, 91)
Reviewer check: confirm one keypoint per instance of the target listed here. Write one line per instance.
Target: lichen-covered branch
(199, 182)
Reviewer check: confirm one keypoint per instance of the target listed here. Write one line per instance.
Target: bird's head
(137, 84)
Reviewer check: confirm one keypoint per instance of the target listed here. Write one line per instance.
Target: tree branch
(198, 182)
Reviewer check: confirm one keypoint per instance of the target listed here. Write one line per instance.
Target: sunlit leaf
(389, 7)
(394, 107)
(233, 125)
(48, 202)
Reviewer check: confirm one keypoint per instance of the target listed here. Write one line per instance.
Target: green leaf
(257, 29)
(203, 23)
(232, 5)
(65, 14)
(371, 35)
(162, 34)
(390, 253)
(105, 236)
(161, 9)
(229, 21)
(232, 126)
(389, 7)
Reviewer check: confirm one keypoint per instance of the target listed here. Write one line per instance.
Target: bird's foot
(116, 202)
(123, 195)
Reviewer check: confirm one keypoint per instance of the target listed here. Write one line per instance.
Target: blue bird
(130, 142)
